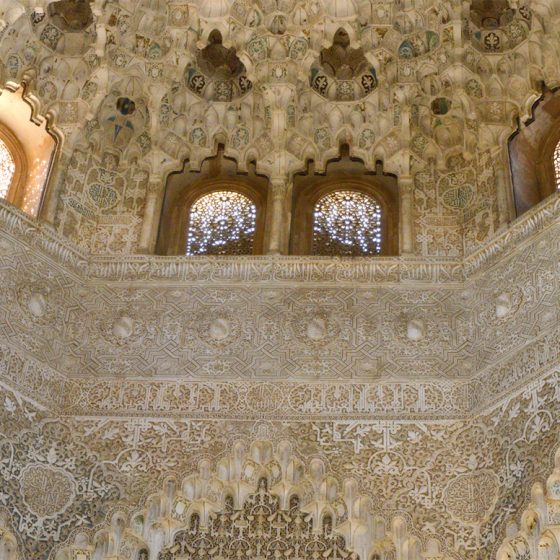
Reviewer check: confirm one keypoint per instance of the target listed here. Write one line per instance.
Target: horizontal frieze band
(19, 228)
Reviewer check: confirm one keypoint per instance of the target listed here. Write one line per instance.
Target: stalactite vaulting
(279, 280)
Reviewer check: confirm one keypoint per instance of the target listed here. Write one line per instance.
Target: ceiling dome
(214, 8)
(341, 8)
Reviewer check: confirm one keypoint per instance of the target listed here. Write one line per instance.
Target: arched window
(534, 153)
(556, 161)
(7, 169)
(347, 223)
(26, 152)
(214, 210)
(13, 168)
(222, 223)
(345, 210)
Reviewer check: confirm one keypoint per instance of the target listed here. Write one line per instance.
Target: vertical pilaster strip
(406, 226)
(54, 186)
(278, 235)
(148, 233)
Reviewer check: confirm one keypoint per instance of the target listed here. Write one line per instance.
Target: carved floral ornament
(446, 92)
(259, 501)
(342, 72)
(204, 73)
(537, 537)
(218, 75)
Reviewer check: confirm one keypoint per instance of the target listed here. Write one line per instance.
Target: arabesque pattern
(293, 82)
(413, 399)
(448, 458)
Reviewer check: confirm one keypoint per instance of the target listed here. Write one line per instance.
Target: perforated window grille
(556, 161)
(347, 223)
(222, 223)
(7, 169)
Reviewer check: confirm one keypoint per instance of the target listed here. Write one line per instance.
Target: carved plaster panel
(417, 396)
(435, 95)
(455, 483)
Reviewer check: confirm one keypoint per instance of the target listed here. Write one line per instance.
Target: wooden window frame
(184, 189)
(314, 188)
(531, 152)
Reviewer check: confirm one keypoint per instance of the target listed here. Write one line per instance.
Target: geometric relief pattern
(219, 328)
(296, 330)
(234, 333)
(418, 395)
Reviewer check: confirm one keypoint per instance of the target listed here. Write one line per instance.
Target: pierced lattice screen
(7, 169)
(347, 223)
(222, 223)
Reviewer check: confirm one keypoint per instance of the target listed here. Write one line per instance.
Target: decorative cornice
(27, 231)
(278, 269)
(523, 229)
(289, 401)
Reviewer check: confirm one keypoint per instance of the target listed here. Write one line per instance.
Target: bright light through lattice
(221, 223)
(36, 183)
(556, 160)
(347, 223)
(7, 169)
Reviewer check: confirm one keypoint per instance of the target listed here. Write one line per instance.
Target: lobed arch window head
(216, 209)
(222, 223)
(27, 149)
(347, 223)
(534, 154)
(345, 210)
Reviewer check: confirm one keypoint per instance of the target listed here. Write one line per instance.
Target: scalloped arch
(237, 476)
